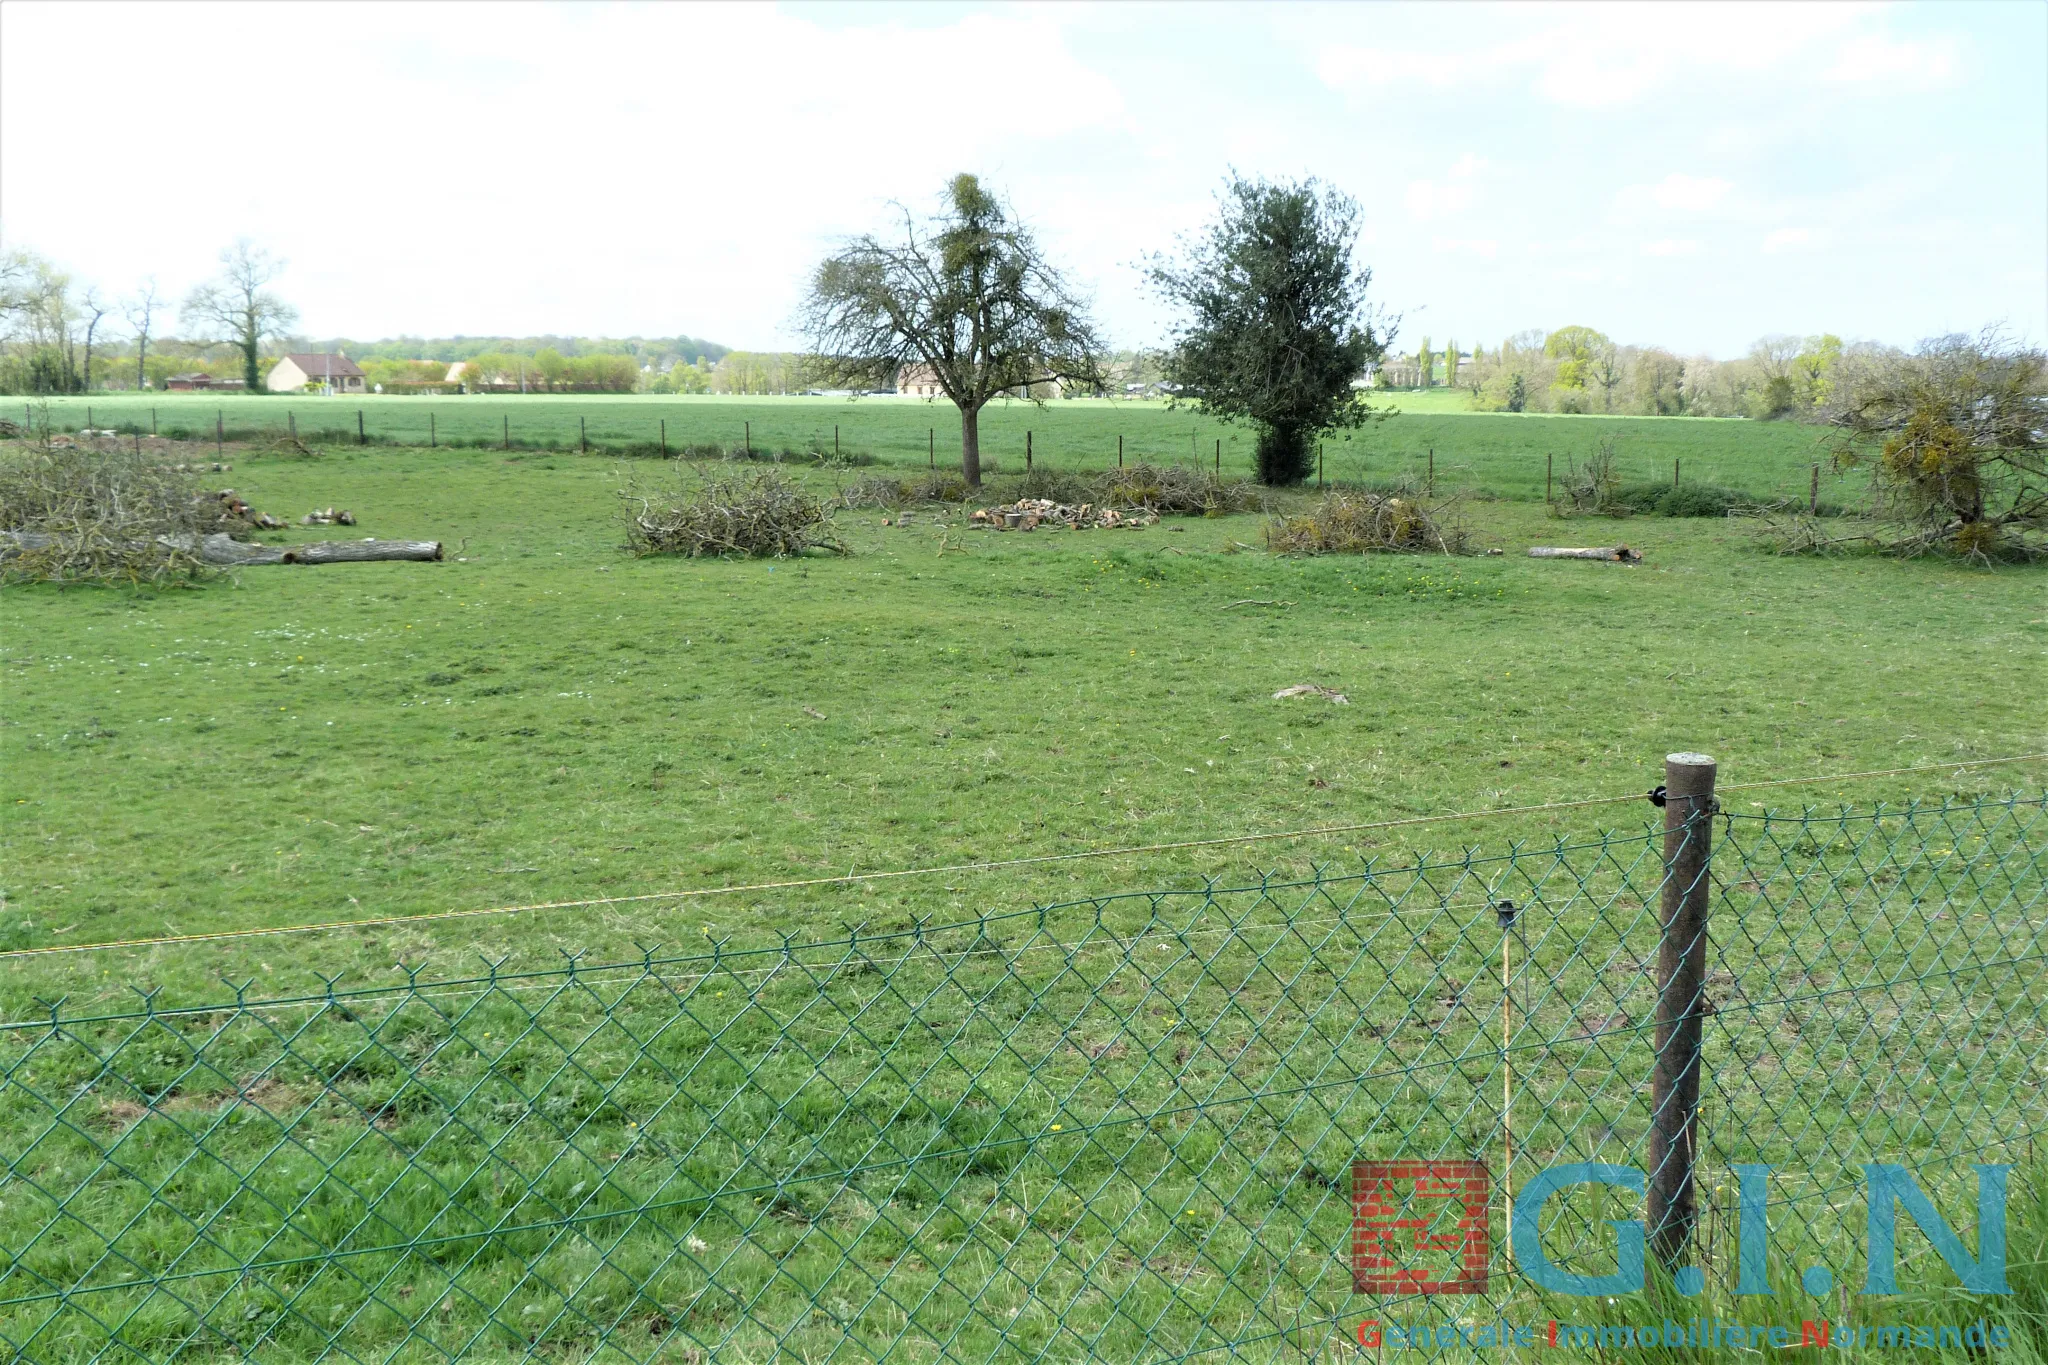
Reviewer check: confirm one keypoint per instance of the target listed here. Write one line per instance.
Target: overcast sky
(1690, 176)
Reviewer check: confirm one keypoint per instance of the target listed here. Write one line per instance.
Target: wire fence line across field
(859, 878)
(1118, 1127)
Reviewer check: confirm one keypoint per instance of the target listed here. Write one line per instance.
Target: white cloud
(1690, 193)
(1875, 59)
(1596, 56)
(482, 145)
(1428, 200)
(1789, 239)
(1672, 246)
(1486, 247)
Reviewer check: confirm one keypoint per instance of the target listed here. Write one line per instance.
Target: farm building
(303, 370)
(199, 379)
(919, 381)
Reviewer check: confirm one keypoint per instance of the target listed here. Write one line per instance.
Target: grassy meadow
(1505, 453)
(542, 719)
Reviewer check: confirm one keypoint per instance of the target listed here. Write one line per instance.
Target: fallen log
(221, 548)
(1613, 554)
(361, 551)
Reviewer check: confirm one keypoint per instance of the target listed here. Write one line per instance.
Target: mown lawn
(542, 718)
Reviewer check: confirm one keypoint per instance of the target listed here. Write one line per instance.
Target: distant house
(302, 370)
(919, 381)
(199, 379)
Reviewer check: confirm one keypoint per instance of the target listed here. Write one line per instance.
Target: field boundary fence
(1116, 1128)
(883, 438)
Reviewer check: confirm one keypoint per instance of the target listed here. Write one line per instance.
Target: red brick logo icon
(1419, 1227)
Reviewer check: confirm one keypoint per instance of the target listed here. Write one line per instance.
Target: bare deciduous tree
(140, 310)
(93, 307)
(968, 296)
(234, 308)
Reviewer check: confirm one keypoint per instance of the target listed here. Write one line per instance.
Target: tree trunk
(141, 359)
(221, 549)
(970, 445)
(1284, 458)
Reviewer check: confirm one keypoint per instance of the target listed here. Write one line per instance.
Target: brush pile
(880, 490)
(1028, 514)
(745, 515)
(1359, 523)
(1179, 490)
(106, 516)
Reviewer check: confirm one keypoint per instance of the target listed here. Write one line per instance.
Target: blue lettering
(1525, 1236)
(1891, 1186)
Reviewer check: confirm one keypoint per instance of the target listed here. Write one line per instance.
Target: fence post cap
(1690, 760)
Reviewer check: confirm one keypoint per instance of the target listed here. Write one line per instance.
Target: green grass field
(541, 719)
(1501, 453)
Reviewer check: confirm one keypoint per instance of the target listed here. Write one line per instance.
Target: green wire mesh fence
(1109, 1129)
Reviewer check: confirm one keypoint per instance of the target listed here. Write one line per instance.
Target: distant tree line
(59, 335)
(1580, 370)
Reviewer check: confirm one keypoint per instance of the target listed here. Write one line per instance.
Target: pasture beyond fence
(1510, 455)
(1111, 1129)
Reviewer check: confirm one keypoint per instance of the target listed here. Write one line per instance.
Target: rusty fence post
(1689, 806)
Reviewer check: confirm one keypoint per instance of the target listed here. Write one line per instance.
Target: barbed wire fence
(1116, 1128)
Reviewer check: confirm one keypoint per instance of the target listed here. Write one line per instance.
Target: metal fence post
(1688, 799)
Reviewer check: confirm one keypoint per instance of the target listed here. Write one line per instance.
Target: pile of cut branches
(759, 513)
(1358, 523)
(1028, 514)
(76, 515)
(1179, 490)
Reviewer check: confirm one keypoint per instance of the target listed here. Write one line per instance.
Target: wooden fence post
(582, 436)
(931, 447)
(1219, 457)
(1319, 466)
(291, 424)
(1674, 471)
(152, 421)
(664, 438)
(1813, 494)
(1689, 807)
(1430, 483)
(1027, 451)
(1119, 450)
(750, 440)
(1549, 469)
(219, 432)
(433, 436)
(361, 438)
(88, 417)
(508, 430)
(835, 440)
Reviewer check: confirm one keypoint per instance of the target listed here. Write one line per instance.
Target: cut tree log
(221, 548)
(361, 551)
(1613, 554)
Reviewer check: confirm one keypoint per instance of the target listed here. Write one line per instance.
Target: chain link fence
(1119, 1129)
